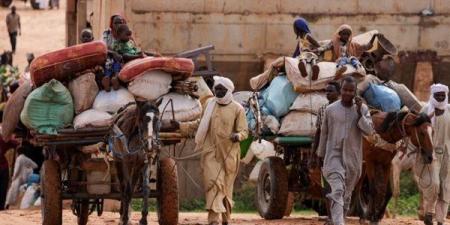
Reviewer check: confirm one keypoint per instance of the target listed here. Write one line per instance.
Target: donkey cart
(291, 172)
(134, 169)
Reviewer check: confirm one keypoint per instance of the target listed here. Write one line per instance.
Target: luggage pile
(290, 102)
(64, 90)
(388, 96)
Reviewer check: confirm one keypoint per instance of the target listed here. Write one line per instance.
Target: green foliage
(408, 201)
(8, 74)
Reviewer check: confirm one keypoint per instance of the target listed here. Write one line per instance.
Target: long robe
(221, 157)
(434, 180)
(341, 146)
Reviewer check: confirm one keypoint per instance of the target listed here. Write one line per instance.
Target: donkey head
(149, 122)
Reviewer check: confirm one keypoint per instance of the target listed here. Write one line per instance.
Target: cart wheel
(168, 192)
(51, 206)
(289, 204)
(84, 212)
(272, 189)
(34, 4)
(5, 3)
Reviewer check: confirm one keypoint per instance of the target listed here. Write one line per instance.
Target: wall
(245, 32)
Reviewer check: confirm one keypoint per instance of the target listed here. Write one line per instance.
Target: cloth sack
(12, 109)
(185, 108)
(297, 123)
(83, 89)
(310, 102)
(113, 100)
(48, 108)
(92, 118)
(151, 85)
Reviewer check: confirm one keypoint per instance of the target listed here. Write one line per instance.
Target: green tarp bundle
(48, 108)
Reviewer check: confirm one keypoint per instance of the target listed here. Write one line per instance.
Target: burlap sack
(84, 89)
(297, 123)
(11, 112)
(310, 102)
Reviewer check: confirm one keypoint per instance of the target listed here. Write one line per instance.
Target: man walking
(222, 127)
(13, 25)
(437, 195)
(343, 126)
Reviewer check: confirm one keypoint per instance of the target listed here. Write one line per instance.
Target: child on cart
(305, 48)
(122, 51)
(345, 51)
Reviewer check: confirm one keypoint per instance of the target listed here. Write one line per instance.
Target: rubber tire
(5, 3)
(51, 206)
(84, 213)
(167, 201)
(275, 207)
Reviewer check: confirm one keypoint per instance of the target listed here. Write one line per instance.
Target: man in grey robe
(343, 127)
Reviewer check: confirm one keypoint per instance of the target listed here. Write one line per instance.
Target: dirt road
(33, 217)
(42, 31)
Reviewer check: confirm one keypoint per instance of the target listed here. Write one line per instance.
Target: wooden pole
(423, 79)
(71, 22)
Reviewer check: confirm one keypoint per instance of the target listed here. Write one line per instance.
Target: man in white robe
(435, 181)
(343, 126)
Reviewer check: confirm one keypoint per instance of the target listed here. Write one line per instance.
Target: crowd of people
(341, 124)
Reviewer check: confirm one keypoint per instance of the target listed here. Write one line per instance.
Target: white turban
(433, 103)
(224, 82)
(207, 114)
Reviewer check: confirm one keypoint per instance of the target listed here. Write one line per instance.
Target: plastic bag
(382, 98)
(279, 96)
(30, 196)
(48, 108)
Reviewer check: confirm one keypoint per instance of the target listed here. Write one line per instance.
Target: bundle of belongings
(289, 102)
(66, 90)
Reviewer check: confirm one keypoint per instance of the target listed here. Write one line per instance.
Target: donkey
(135, 142)
(373, 191)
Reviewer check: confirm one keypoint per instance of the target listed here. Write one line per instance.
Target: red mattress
(65, 63)
(180, 68)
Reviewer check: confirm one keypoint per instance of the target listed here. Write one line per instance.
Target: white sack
(92, 118)
(297, 123)
(309, 102)
(184, 107)
(113, 100)
(151, 85)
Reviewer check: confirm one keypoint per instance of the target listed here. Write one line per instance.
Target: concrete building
(245, 32)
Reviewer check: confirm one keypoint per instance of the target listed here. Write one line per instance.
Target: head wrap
(302, 25)
(352, 48)
(433, 103)
(207, 114)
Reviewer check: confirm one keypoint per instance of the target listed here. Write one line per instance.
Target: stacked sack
(289, 98)
(64, 92)
(153, 78)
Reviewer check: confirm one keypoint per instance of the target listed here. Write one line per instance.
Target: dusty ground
(42, 31)
(33, 217)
